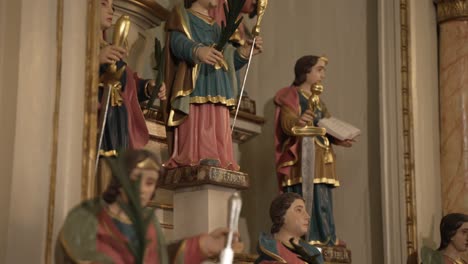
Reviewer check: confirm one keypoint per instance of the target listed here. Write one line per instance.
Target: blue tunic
(212, 86)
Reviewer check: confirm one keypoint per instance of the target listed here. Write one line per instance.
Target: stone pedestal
(201, 196)
(200, 209)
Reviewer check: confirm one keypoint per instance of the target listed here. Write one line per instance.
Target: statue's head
(288, 213)
(139, 164)
(309, 69)
(208, 4)
(454, 232)
(107, 12)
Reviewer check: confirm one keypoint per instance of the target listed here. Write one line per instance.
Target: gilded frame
(55, 131)
(408, 133)
(91, 100)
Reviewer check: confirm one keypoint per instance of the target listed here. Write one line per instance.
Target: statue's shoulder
(267, 249)
(78, 234)
(286, 91)
(288, 97)
(178, 20)
(431, 256)
(268, 242)
(82, 216)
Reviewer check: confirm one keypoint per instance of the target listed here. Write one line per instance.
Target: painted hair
(278, 209)
(132, 159)
(304, 66)
(449, 226)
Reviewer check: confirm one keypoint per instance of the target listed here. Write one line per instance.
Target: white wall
(33, 132)
(28, 70)
(9, 56)
(346, 32)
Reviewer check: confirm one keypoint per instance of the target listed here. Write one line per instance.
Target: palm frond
(231, 12)
(133, 208)
(160, 61)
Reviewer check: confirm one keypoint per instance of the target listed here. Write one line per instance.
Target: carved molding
(90, 129)
(408, 131)
(448, 10)
(200, 175)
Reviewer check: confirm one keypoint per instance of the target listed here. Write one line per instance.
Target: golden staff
(261, 7)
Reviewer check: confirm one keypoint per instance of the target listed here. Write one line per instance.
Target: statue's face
(317, 73)
(460, 239)
(107, 11)
(296, 219)
(149, 179)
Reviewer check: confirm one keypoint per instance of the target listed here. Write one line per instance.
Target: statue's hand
(209, 55)
(245, 50)
(306, 118)
(344, 143)
(110, 54)
(212, 244)
(162, 92)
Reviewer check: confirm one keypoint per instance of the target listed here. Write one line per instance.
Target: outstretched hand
(213, 243)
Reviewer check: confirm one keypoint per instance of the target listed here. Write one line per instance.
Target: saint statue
(200, 94)
(101, 231)
(310, 166)
(125, 126)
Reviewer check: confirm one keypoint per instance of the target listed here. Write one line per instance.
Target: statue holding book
(201, 80)
(305, 160)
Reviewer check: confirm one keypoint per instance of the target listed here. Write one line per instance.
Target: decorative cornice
(200, 175)
(448, 10)
(153, 7)
(147, 12)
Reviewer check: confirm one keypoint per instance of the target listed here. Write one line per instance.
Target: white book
(339, 129)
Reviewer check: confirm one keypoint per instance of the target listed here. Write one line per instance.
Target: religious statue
(290, 223)
(305, 161)
(121, 122)
(453, 241)
(113, 228)
(201, 83)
